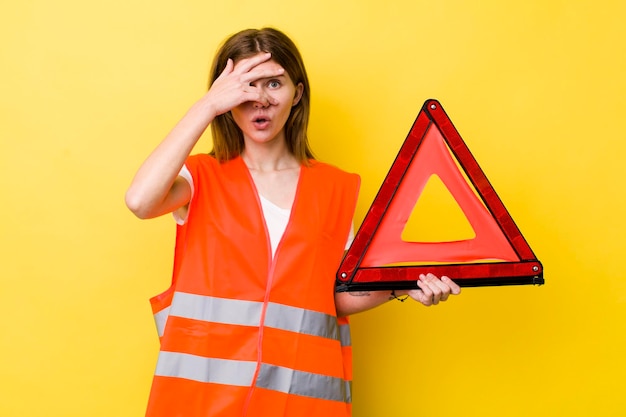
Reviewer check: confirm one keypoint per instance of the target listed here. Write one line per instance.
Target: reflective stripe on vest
(248, 313)
(240, 373)
(160, 319)
(197, 368)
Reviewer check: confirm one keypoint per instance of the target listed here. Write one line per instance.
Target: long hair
(228, 140)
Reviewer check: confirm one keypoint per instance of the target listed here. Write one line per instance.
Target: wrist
(400, 295)
(207, 108)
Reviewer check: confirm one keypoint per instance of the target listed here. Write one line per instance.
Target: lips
(261, 122)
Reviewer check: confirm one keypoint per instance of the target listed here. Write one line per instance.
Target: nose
(261, 104)
(265, 100)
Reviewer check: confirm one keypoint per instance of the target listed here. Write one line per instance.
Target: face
(263, 122)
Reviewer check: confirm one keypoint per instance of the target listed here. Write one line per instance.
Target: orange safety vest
(245, 334)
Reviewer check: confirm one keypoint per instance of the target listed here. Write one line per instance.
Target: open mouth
(261, 122)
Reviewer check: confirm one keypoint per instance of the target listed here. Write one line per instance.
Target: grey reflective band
(306, 384)
(348, 387)
(160, 319)
(241, 373)
(344, 335)
(216, 310)
(248, 313)
(299, 320)
(198, 368)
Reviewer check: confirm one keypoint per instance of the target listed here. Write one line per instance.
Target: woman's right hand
(156, 188)
(237, 84)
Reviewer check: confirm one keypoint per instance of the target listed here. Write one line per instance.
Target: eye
(273, 84)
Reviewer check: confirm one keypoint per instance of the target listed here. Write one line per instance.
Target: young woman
(251, 324)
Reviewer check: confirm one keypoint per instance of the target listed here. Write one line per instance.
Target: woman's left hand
(433, 290)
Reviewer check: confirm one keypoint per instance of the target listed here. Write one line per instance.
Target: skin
(156, 188)
(259, 94)
(431, 291)
(273, 168)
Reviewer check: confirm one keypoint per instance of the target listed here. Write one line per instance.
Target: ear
(298, 95)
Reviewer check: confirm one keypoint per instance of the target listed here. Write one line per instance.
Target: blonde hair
(228, 140)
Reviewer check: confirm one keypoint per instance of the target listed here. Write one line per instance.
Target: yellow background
(536, 89)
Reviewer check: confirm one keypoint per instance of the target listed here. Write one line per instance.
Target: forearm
(430, 291)
(348, 303)
(150, 188)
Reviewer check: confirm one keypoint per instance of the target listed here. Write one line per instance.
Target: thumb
(228, 68)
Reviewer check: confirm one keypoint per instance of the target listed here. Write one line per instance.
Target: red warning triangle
(379, 258)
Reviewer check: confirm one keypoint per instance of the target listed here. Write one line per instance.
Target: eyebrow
(281, 76)
(272, 78)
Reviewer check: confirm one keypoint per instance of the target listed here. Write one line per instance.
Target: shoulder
(200, 161)
(207, 166)
(207, 170)
(332, 179)
(331, 171)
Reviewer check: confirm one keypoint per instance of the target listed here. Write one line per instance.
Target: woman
(250, 324)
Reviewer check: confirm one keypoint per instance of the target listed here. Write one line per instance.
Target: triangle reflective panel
(383, 257)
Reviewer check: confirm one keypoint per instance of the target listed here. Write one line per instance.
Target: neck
(264, 158)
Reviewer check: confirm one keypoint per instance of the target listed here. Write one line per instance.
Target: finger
(246, 64)
(264, 99)
(428, 296)
(257, 74)
(430, 281)
(227, 69)
(421, 297)
(250, 72)
(455, 289)
(229, 65)
(250, 75)
(443, 286)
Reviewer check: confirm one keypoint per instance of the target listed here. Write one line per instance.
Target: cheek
(238, 115)
(286, 111)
